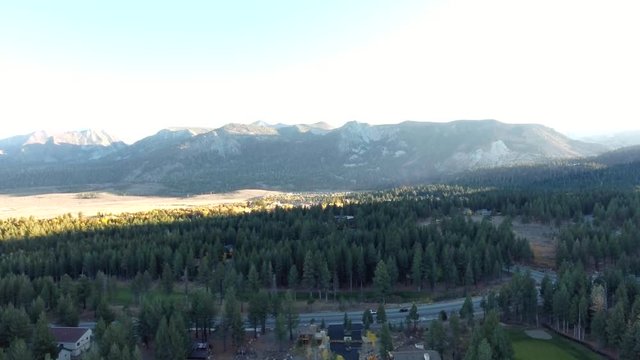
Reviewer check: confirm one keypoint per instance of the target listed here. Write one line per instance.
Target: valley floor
(92, 203)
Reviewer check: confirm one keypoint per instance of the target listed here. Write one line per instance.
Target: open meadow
(92, 203)
(557, 348)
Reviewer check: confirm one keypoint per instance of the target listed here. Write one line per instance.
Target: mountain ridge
(297, 157)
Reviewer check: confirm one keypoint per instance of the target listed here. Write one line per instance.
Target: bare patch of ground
(538, 334)
(92, 203)
(541, 238)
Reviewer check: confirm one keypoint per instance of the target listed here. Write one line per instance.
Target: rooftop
(68, 334)
(416, 355)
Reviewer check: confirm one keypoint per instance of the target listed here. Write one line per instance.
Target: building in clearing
(74, 340)
(416, 355)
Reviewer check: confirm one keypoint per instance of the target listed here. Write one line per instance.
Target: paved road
(427, 312)
(537, 275)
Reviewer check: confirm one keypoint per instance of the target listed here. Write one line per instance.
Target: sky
(134, 67)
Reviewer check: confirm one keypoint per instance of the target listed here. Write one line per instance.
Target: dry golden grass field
(92, 203)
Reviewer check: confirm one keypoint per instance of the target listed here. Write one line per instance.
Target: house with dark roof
(346, 342)
(75, 340)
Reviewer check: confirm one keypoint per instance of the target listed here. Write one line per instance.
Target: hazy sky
(134, 67)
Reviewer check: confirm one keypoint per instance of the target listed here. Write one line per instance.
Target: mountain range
(286, 157)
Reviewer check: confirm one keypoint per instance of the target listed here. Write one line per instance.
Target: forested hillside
(421, 238)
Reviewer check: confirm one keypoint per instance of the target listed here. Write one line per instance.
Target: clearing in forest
(542, 238)
(557, 348)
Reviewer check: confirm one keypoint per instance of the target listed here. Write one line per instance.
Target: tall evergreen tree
(14, 324)
(19, 351)
(484, 350)
(437, 337)
(386, 342)
(382, 280)
(466, 312)
(167, 278)
(309, 273)
(258, 311)
(416, 267)
(293, 277)
(290, 313)
(67, 312)
(43, 342)
(413, 316)
(367, 319)
(281, 329)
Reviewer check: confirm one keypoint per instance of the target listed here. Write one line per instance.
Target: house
(64, 354)
(346, 343)
(199, 351)
(310, 335)
(416, 355)
(75, 340)
(483, 212)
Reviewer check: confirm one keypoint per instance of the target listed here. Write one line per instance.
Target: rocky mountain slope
(73, 146)
(298, 157)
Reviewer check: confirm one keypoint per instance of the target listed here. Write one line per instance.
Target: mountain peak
(248, 130)
(88, 137)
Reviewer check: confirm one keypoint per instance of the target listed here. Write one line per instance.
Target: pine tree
(18, 350)
(163, 344)
(253, 279)
(599, 327)
(437, 337)
(179, 337)
(367, 319)
(84, 290)
(455, 331)
(36, 308)
(616, 325)
(104, 312)
(484, 350)
(290, 314)
(14, 324)
(386, 342)
(281, 329)
(67, 313)
(416, 267)
(258, 311)
(232, 320)
(43, 342)
(167, 279)
(466, 312)
(115, 353)
(203, 311)
(309, 274)
(382, 280)
(630, 348)
(413, 316)
(293, 278)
